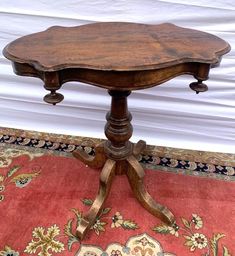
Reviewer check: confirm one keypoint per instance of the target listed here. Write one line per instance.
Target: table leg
(118, 156)
(138, 148)
(96, 161)
(135, 176)
(106, 177)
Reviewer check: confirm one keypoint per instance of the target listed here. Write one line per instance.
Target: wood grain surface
(116, 46)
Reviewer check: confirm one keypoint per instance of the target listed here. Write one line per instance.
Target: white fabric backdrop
(169, 115)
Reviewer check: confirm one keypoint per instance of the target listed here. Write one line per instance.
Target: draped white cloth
(167, 115)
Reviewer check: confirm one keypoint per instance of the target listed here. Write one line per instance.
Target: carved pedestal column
(118, 130)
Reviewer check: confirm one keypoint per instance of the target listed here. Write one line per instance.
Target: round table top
(115, 46)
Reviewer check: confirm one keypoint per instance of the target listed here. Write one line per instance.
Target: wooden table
(119, 57)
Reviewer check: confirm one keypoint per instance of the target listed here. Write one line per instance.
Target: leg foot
(96, 161)
(106, 177)
(135, 176)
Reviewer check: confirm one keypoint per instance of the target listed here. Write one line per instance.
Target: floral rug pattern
(140, 245)
(56, 239)
(192, 238)
(12, 176)
(45, 242)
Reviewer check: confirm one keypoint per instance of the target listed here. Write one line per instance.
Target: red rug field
(43, 195)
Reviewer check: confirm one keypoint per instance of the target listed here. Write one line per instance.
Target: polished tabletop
(117, 46)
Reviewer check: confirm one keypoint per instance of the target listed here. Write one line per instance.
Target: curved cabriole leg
(106, 177)
(135, 176)
(96, 161)
(138, 148)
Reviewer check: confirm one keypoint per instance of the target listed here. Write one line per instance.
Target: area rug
(44, 193)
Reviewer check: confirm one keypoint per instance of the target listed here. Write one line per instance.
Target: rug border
(214, 158)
